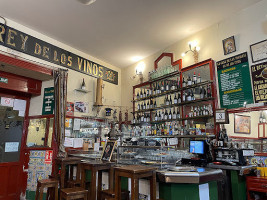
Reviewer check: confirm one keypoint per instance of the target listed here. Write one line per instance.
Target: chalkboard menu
(259, 80)
(234, 81)
(48, 101)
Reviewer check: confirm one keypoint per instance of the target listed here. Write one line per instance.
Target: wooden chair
(73, 193)
(47, 183)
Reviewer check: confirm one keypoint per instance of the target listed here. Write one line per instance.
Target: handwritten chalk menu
(234, 81)
(48, 101)
(259, 81)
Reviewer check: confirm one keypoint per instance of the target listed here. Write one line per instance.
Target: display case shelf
(175, 105)
(176, 136)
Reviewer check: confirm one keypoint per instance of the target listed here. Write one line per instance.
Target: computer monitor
(197, 147)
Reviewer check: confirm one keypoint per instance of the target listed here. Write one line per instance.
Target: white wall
(111, 92)
(248, 26)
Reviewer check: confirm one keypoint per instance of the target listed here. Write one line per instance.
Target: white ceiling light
(86, 2)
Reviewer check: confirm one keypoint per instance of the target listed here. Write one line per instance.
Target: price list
(234, 81)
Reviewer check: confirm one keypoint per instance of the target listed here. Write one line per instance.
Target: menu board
(234, 81)
(259, 81)
(48, 101)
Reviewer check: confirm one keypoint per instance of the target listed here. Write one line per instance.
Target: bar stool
(63, 163)
(47, 183)
(73, 193)
(96, 167)
(135, 172)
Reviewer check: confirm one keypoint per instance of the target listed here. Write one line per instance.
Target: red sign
(48, 156)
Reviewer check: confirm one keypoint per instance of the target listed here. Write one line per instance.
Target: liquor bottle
(170, 100)
(166, 115)
(151, 103)
(170, 114)
(184, 83)
(199, 78)
(204, 93)
(173, 87)
(145, 117)
(159, 117)
(167, 101)
(141, 94)
(162, 87)
(208, 91)
(148, 92)
(175, 100)
(133, 121)
(165, 129)
(195, 112)
(188, 97)
(170, 130)
(189, 81)
(148, 118)
(179, 98)
(192, 96)
(178, 83)
(142, 117)
(167, 86)
(144, 106)
(83, 87)
(162, 129)
(174, 114)
(155, 89)
(144, 95)
(156, 116)
(155, 104)
(184, 96)
(178, 116)
(138, 107)
(147, 105)
(137, 96)
(194, 78)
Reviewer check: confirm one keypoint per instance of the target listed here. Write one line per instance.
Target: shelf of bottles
(182, 100)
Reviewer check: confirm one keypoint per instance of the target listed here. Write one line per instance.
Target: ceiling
(116, 30)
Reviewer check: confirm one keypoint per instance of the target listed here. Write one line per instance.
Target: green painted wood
(238, 186)
(213, 190)
(30, 195)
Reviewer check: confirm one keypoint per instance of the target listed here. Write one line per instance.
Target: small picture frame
(221, 116)
(108, 150)
(229, 45)
(259, 51)
(242, 124)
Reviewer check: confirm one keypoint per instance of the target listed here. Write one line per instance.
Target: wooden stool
(46, 183)
(63, 163)
(135, 172)
(73, 193)
(96, 166)
(110, 194)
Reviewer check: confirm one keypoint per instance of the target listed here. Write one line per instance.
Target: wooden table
(63, 162)
(96, 166)
(135, 172)
(256, 184)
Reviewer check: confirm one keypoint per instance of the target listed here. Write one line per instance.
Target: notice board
(234, 81)
(259, 81)
(48, 101)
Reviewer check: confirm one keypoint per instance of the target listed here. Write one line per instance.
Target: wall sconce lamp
(139, 71)
(193, 48)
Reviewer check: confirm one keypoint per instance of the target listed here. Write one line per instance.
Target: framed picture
(259, 51)
(229, 45)
(242, 124)
(108, 150)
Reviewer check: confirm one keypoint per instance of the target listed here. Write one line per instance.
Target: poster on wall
(81, 107)
(259, 81)
(234, 81)
(48, 101)
(70, 109)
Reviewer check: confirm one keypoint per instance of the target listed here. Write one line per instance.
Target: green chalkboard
(48, 101)
(234, 81)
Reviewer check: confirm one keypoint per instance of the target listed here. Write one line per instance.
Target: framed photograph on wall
(229, 45)
(242, 124)
(259, 51)
(108, 150)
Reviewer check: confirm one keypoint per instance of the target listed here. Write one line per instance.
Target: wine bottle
(178, 83)
(199, 78)
(184, 96)
(137, 96)
(147, 105)
(208, 91)
(167, 86)
(201, 92)
(170, 114)
(151, 103)
(192, 96)
(141, 94)
(162, 87)
(133, 121)
(170, 100)
(189, 81)
(179, 98)
(145, 117)
(155, 104)
(167, 101)
(178, 116)
(144, 106)
(188, 97)
(166, 115)
(174, 114)
(138, 106)
(184, 83)
(156, 116)
(148, 92)
(159, 117)
(173, 87)
(83, 85)
(175, 100)
(194, 78)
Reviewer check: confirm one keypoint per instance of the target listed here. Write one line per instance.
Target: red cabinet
(256, 184)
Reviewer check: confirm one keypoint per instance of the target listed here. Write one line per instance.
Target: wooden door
(13, 111)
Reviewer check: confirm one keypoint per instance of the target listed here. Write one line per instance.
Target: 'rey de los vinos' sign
(30, 45)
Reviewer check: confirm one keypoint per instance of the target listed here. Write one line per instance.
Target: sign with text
(259, 81)
(30, 45)
(3, 80)
(48, 156)
(48, 101)
(234, 81)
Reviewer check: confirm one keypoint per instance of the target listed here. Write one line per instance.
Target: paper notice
(204, 191)
(76, 124)
(7, 101)
(78, 142)
(96, 146)
(19, 104)
(67, 132)
(68, 142)
(11, 146)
